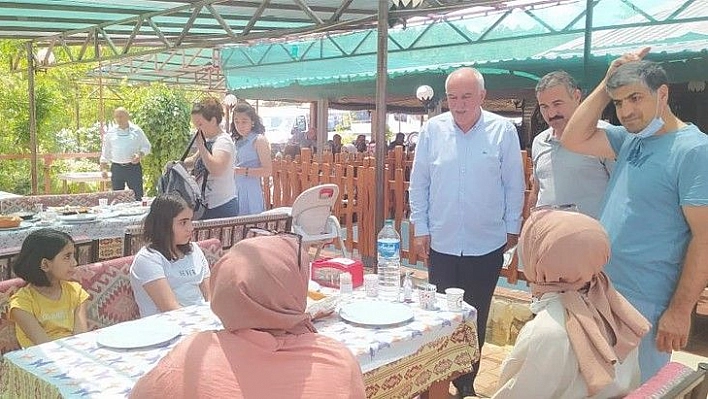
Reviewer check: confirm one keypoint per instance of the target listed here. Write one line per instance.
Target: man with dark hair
(656, 206)
(561, 176)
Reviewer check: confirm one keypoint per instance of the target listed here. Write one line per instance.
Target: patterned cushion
(16, 204)
(212, 250)
(8, 340)
(671, 375)
(108, 285)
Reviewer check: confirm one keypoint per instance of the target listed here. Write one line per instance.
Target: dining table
(100, 223)
(397, 361)
(84, 177)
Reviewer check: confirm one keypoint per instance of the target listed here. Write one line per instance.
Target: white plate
(79, 218)
(376, 313)
(138, 334)
(134, 211)
(22, 226)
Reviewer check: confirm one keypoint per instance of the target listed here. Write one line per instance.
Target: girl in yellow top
(50, 306)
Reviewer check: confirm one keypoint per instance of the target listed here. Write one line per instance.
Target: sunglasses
(258, 231)
(561, 207)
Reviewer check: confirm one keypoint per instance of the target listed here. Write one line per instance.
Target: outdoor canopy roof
(513, 48)
(121, 29)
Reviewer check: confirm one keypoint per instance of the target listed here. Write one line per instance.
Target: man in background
(124, 145)
(561, 176)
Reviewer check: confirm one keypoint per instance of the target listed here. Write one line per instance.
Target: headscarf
(565, 252)
(260, 284)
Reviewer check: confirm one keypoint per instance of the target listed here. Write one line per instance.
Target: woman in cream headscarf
(582, 342)
(268, 348)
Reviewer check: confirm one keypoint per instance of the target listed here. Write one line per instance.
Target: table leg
(438, 390)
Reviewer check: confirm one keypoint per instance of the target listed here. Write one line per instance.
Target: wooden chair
(228, 230)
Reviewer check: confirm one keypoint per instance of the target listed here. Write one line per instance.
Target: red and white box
(326, 271)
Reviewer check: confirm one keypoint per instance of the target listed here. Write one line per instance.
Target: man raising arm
(656, 207)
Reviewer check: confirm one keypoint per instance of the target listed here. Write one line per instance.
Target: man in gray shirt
(561, 176)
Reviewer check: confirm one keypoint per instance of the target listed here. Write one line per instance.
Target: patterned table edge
(435, 361)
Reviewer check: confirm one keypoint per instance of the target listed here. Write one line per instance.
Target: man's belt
(124, 164)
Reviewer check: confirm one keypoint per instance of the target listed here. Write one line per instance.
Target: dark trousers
(130, 174)
(478, 276)
(229, 209)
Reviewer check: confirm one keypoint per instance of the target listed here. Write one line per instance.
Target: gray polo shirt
(567, 177)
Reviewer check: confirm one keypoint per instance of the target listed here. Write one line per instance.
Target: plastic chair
(312, 217)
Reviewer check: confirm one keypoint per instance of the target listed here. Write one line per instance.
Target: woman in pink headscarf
(582, 342)
(268, 348)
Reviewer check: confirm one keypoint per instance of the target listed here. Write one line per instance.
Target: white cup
(371, 284)
(103, 202)
(455, 299)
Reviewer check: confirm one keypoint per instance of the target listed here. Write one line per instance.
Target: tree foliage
(163, 114)
(69, 110)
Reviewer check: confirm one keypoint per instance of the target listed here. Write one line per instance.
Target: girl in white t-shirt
(169, 271)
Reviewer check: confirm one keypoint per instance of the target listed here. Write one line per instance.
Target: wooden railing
(48, 160)
(355, 176)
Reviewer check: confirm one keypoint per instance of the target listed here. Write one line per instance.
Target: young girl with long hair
(253, 161)
(169, 271)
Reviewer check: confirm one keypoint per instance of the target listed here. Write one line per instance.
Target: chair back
(312, 208)
(675, 381)
(228, 230)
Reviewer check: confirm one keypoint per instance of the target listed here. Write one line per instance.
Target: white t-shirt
(221, 187)
(183, 275)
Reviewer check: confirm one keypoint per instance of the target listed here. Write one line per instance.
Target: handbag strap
(189, 147)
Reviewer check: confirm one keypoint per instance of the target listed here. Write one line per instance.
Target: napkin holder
(326, 271)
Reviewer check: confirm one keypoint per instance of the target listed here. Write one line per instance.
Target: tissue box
(326, 271)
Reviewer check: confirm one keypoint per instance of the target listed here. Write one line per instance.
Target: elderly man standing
(466, 194)
(656, 207)
(561, 176)
(124, 146)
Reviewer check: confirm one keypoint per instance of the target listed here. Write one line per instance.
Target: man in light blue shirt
(466, 195)
(124, 146)
(656, 207)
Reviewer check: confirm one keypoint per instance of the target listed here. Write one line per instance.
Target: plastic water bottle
(388, 245)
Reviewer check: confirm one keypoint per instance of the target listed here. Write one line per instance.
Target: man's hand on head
(627, 58)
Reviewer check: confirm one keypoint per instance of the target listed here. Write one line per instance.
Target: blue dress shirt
(467, 188)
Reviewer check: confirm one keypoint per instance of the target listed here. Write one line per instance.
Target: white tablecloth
(78, 367)
(102, 228)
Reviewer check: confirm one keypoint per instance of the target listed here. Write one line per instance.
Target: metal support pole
(379, 132)
(587, 48)
(32, 117)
